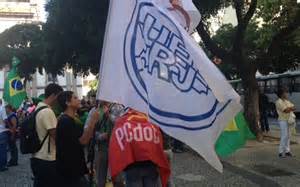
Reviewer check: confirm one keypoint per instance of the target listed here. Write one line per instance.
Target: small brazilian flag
(14, 92)
(234, 136)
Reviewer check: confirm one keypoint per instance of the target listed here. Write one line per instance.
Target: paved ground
(255, 165)
(19, 176)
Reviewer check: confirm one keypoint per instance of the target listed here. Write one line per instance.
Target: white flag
(150, 63)
(188, 6)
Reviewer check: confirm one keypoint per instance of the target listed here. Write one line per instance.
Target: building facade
(14, 12)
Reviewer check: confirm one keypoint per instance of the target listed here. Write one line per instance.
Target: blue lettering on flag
(155, 52)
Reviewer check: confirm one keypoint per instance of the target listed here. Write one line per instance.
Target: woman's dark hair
(281, 91)
(10, 107)
(52, 88)
(63, 98)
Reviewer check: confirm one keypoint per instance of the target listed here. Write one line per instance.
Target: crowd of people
(76, 138)
(8, 136)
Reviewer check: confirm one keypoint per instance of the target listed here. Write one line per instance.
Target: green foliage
(224, 36)
(24, 41)
(277, 13)
(74, 32)
(93, 85)
(210, 8)
(271, 17)
(297, 37)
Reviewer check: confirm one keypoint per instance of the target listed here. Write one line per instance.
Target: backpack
(29, 139)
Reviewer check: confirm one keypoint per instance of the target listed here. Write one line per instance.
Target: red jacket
(135, 139)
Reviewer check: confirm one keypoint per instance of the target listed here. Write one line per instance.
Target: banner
(14, 92)
(134, 140)
(151, 64)
(234, 136)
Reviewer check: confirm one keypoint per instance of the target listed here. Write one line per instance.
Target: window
(286, 82)
(261, 86)
(271, 86)
(297, 84)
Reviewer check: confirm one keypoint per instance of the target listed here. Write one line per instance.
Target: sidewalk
(275, 132)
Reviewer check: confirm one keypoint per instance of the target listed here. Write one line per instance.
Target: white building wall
(36, 87)
(34, 7)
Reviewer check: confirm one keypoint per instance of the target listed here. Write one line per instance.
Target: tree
(93, 85)
(74, 33)
(256, 44)
(278, 25)
(24, 41)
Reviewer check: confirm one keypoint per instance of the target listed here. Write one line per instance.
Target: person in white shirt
(284, 109)
(43, 162)
(3, 138)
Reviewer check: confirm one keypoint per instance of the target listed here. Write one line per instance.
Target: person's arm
(89, 130)
(52, 133)
(13, 127)
(289, 109)
(4, 116)
(102, 136)
(282, 107)
(105, 133)
(49, 121)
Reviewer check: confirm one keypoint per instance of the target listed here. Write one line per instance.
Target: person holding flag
(14, 92)
(101, 138)
(136, 148)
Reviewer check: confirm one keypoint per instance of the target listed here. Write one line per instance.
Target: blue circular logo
(163, 73)
(17, 85)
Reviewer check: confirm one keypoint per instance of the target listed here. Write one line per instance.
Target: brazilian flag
(234, 136)
(14, 92)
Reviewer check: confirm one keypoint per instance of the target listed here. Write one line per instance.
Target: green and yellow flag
(14, 92)
(234, 136)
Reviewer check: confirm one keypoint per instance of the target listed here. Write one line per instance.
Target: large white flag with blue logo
(150, 63)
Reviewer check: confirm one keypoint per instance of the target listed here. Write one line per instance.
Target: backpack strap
(39, 109)
(42, 143)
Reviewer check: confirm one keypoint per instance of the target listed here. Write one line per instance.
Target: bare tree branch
(243, 22)
(238, 5)
(250, 12)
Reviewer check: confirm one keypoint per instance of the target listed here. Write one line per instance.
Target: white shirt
(3, 117)
(281, 105)
(45, 120)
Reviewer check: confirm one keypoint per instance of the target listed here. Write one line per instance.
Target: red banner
(134, 139)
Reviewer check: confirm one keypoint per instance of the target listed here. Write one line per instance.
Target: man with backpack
(43, 162)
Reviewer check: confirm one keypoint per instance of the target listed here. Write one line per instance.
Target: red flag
(135, 139)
